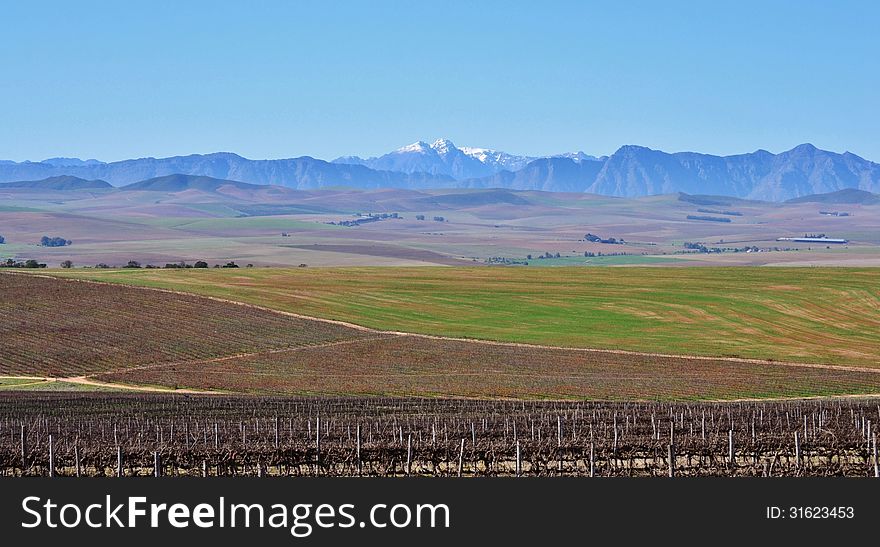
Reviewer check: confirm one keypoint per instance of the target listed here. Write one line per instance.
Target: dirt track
(85, 380)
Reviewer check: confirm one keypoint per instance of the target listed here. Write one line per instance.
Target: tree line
(131, 264)
(47, 241)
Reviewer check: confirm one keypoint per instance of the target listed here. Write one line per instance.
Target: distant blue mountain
(804, 170)
(71, 162)
(301, 173)
(632, 171)
(555, 174)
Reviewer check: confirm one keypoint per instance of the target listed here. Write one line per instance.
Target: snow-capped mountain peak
(443, 146)
(442, 157)
(481, 154)
(419, 146)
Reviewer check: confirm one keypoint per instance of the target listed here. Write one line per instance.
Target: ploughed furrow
(52, 327)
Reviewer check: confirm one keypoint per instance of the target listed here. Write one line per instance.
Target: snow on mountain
(498, 160)
(419, 147)
(442, 157)
(579, 157)
(443, 147)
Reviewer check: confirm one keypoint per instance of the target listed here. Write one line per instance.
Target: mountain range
(442, 157)
(302, 173)
(632, 171)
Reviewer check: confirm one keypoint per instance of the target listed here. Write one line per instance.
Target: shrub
(47, 241)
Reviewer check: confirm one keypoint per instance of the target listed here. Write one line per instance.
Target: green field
(821, 315)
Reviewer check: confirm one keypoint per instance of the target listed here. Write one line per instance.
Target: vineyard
(62, 328)
(172, 435)
(400, 365)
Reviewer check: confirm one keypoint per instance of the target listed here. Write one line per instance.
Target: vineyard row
(157, 435)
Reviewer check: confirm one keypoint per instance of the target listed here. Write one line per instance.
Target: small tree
(67, 264)
(201, 264)
(132, 264)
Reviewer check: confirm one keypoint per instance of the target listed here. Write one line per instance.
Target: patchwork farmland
(293, 372)
(814, 315)
(101, 334)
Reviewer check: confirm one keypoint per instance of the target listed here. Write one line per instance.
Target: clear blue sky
(114, 80)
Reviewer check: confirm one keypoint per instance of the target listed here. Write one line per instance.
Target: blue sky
(113, 80)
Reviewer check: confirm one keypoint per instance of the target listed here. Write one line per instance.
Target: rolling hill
(473, 199)
(63, 182)
(848, 196)
(181, 183)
